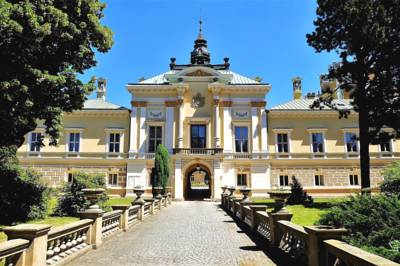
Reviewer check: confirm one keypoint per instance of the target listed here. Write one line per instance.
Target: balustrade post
(37, 234)
(273, 223)
(316, 236)
(165, 200)
(124, 218)
(152, 206)
(256, 220)
(95, 230)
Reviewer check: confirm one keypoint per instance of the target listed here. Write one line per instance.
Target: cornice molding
(138, 103)
(258, 103)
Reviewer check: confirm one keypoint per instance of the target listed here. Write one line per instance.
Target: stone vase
(245, 191)
(93, 195)
(280, 197)
(139, 192)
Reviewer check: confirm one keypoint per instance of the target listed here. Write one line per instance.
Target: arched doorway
(198, 183)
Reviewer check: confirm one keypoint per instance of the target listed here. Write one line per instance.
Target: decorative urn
(93, 195)
(245, 191)
(224, 188)
(139, 192)
(280, 196)
(157, 191)
(231, 190)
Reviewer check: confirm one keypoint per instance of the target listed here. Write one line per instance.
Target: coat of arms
(197, 101)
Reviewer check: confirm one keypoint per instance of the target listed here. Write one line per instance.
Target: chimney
(297, 93)
(101, 88)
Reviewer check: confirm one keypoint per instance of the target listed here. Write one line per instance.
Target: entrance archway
(198, 183)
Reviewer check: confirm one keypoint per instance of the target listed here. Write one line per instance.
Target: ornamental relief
(155, 114)
(241, 114)
(197, 101)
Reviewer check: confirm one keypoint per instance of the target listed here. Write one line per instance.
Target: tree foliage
(391, 181)
(43, 45)
(72, 200)
(366, 36)
(23, 196)
(373, 223)
(160, 172)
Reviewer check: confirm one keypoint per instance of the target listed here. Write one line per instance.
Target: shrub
(160, 171)
(72, 200)
(298, 195)
(373, 223)
(391, 182)
(23, 195)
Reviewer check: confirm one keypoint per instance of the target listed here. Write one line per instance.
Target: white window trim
(109, 131)
(279, 181)
(247, 178)
(68, 131)
(249, 142)
(28, 144)
(350, 153)
(287, 131)
(323, 178)
(358, 179)
(156, 124)
(111, 185)
(323, 132)
(390, 153)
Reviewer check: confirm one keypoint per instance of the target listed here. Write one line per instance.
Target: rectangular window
(385, 146)
(70, 177)
(353, 180)
(155, 137)
(241, 139)
(319, 180)
(36, 138)
(351, 142)
(198, 136)
(73, 143)
(283, 180)
(112, 179)
(317, 142)
(114, 142)
(282, 142)
(242, 179)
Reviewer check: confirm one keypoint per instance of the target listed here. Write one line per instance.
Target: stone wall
(335, 176)
(56, 175)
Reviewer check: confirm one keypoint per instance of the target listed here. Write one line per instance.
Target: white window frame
(287, 131)
(319, 180)
(121, 132)
(322, 131)
(387, 153)
(112, 185)
(154, 124)
(249, 140)
(67, 138)
(279, 180)
(28, 146)
(358, 180)
(350, 154)
(242, 171)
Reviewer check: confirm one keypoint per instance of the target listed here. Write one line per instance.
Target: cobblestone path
(184, 233)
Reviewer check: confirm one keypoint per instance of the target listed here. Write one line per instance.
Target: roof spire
(200, 54)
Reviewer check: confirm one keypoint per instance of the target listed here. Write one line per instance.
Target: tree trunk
(364, 148)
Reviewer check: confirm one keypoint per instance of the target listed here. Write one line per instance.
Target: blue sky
(261, 38)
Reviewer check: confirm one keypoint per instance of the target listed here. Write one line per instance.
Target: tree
(298, 195)
(366, 36)
(43, 45)
(160, 171)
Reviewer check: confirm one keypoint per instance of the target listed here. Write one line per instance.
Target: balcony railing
(197, 151)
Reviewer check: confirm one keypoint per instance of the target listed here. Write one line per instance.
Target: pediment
(199, 73)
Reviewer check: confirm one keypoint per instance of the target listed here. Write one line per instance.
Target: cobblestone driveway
(184, 233)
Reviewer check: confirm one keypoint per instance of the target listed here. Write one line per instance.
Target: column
(169, 125)
(216, 123)
(228, 137)
(142, 131)
(133, 133)
(217, 180)
(178, 181)
(255, 131)
(264, 133)
(180, 122)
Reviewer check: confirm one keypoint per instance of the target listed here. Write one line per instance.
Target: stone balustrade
(308, 245)
(39, 245)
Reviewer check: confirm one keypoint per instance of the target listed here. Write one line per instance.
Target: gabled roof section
(304, 105)
(101, 104)
(237, 79)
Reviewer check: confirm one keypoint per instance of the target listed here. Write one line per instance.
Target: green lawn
(116, 201)
(306, 215)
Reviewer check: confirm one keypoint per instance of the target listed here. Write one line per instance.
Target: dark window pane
(116, 147)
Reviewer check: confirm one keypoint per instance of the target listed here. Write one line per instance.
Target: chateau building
(216, 127)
